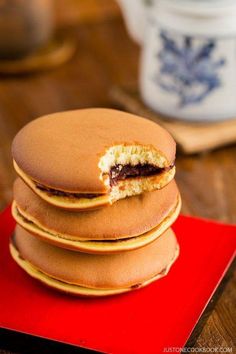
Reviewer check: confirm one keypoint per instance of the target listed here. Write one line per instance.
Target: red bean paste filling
(122, 172)
(58, 193)
(117, 173)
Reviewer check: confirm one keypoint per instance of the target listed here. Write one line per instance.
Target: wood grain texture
(71, 12)
(57, 52)
(106, 57)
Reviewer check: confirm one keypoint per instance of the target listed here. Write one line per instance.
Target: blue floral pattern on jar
(188, 69)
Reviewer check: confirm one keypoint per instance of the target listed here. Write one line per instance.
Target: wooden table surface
(107, 57)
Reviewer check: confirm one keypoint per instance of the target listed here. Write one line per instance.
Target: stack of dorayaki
(94, 201)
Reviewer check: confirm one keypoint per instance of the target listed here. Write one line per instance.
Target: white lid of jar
(216, 18)
(202, 8)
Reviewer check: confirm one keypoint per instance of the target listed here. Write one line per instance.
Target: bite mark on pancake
(126, 170)
(132, 155)
(83, 157)
(130, 170)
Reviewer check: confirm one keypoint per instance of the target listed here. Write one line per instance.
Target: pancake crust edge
(97, 247)
(108, 274)
(138, 214)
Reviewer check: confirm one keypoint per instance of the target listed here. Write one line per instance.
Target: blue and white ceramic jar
(188, 64)
(188, 60)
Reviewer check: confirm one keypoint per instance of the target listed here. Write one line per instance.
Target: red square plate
(144, 321)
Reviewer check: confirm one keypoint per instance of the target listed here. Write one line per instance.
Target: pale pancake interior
(134, 155)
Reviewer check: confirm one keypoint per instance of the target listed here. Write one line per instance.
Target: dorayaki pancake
(92, 157)
(93, 275)
(127, 224)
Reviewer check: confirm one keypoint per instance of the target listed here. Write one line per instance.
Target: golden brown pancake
(93, 275)
(92, 157)
(128, 224)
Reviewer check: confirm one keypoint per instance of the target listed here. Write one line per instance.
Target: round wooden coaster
(58, 51)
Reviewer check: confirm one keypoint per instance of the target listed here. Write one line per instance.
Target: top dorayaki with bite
(88, 158)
